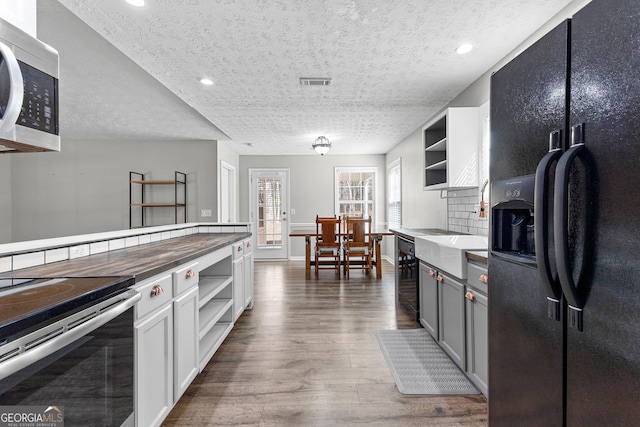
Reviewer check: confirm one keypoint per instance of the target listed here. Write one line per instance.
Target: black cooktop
(27, 304)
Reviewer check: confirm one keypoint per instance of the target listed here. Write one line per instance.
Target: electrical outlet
(205, 213)
(78, 251)
(293, 211)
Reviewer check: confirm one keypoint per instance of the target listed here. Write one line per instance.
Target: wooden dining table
(376, 236)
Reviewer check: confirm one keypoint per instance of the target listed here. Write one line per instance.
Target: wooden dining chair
(327, 243)
(358, 245)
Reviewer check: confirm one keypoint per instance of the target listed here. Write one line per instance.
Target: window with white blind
(355, 192)
(394, 194)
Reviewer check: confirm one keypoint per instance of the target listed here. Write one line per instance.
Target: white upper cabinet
(451, 149)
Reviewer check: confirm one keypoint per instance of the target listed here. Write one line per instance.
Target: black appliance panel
(604, 358)
(526, 346)
(512, 215)
(531, 103)
(40, 102)
(407, 273)
(91, 378)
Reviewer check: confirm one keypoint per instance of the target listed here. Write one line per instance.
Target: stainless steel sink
(447, 253)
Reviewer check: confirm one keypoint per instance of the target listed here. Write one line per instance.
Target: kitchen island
(193, 282)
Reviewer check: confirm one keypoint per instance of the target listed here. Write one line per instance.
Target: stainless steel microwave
(29, 115)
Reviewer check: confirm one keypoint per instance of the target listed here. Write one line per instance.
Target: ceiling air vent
(315, 81)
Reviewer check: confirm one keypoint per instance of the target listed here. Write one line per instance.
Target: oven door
(85, 369)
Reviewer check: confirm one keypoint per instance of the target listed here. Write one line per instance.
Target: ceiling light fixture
(321, 145)
(206, 82)
(136, 3)
(464, 48)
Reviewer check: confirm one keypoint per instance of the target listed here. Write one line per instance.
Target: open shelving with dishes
(140, 199)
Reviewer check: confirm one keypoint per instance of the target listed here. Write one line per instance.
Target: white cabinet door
(238, 288)
(247, 261)
(185, 316)
(154, 371)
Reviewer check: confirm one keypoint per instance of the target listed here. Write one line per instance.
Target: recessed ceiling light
(464, 48)
(207, 82)
(136, 3)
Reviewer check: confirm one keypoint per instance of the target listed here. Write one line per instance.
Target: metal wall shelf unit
(141, 197)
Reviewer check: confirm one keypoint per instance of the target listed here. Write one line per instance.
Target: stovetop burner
(31, 303)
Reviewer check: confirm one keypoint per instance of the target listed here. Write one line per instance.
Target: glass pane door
(269, 213)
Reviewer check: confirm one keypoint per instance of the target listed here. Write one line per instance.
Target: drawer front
(238, 250)
(155, 294)
(185, 278)
(248, 247)
(477, 277)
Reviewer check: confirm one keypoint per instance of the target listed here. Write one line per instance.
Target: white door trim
(283, 252)
(231, 189)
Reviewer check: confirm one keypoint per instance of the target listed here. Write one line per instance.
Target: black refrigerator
(564, 259)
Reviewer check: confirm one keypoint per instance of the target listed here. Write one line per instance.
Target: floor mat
(419, 365)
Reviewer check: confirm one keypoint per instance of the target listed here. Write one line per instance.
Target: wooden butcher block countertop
(140, 262)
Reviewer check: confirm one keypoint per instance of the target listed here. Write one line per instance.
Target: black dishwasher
(407, 277)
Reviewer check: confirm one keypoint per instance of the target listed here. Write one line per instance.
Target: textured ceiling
(392, 65)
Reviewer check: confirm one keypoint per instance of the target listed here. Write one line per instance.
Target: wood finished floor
(306, 355)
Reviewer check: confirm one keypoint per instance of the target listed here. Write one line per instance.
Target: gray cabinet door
(451, 319)
(477, 339)
(428, 291)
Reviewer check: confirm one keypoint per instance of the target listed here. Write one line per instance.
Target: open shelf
(139, 188)
(215, 304)
(211, 286)
(211, 312)
(438, 146)
(441, 165)
(212, 341)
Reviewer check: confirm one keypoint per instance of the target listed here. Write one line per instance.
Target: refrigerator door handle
(560, 227)
(548, 277)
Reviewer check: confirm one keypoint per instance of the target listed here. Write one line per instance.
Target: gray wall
(85, 187)
(5, 198)
(420, 209)
(311, 189)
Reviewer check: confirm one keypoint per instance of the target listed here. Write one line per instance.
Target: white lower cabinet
(247, 263)
(183, 317)
(185, 314)
(238, 280)
(242, 277)
(154, 367)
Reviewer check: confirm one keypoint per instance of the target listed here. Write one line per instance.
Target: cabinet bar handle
(190, 274)
(156, 290)
(484, 278)
(470, 296)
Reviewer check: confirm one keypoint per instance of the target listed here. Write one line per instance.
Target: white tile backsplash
(61, 249)
(55, 255)
(28, 260)
(131, 241)
(98, 247)
(5, 264)
(116, 244)
(463, 209)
